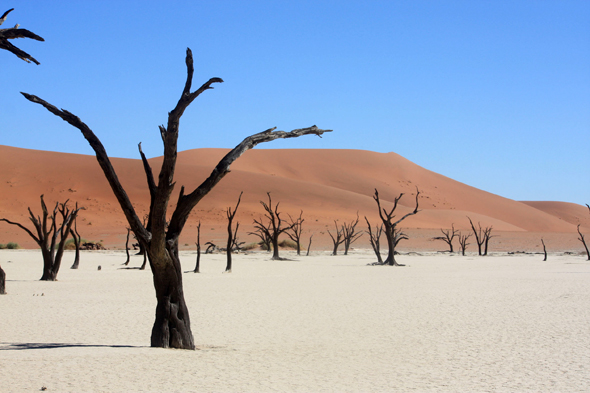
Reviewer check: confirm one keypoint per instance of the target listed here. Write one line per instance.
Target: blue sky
(495, 94)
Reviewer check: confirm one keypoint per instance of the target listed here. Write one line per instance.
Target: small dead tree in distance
(15, 32)
(231, 236)
(295, 232)
(337, 238)
(544, 250)
(482, 236)
(463, 242)
(77, 240)
(172, 325)
(198, 244)
(309, 245)
(275, 227)
(263, 232)
(127, 247)
(46, 236)
(349, 233)
(390, 227)
(375, 239)
(448, 236)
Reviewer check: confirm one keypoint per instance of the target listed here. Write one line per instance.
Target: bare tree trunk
(296, 229)
(375, 240)
(448, 237)
(309, 245)
(230, 234)
(349, 234)
(336, 238)
(144, 263)
(127, 248)
(583, 240)
(544, 250)
(77, 240)
(479, 235)
(198, 243)
(274, 228)
(463, 242)
(2, 282)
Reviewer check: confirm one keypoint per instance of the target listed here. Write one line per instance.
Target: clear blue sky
(495, 94)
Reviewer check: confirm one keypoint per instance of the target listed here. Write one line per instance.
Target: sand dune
(327, 185)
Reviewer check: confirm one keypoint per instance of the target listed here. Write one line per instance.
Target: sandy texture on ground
(319, 323)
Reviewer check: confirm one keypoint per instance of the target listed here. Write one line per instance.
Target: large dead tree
(275, 226)
(390, 226)
(295, 232)
(482, 236)
(15, 32)
(349, 233)
(375, 239)
(172, 325)
(77, 241)
(337, 238)
(487, 235)
(448, 236)
(231, 235)
(463, 242)
(47, 232)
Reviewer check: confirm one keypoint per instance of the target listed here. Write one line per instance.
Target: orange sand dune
(327, 185)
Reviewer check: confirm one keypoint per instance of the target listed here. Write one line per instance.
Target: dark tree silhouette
(583, 240)
(47, 234)
(231, 235)
(349, 233)
(77, 240)
(198, 244)
(309, 245)
(375, 239)
(15, 32)
(172, 325)
(337, 238)
(482, 236)
(275, 226)
(544, 250)
(463, 242)
(487, 235)
(263, 232)
(127, 247)
(2, 282)
(448, 236)
(389, 226)
(295, 232)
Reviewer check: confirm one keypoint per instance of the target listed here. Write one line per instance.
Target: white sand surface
(315, 324)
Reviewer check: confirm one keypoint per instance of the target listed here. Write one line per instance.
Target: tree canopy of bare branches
(463, 242)
(47, 232)
(160, 237)
(390, 226)
(583, 240)
(482, 237)
(448, 236)
(349, 233)
(16, 32)
(276, 225)
(337, 237)
(296, 227)
(231, 235)
(375, 239)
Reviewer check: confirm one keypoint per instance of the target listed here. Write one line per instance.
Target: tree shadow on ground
(22, 346)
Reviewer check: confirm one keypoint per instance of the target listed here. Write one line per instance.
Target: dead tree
(463, 242)
(479, 235)
(2, 282)
(375, 239)
(275, 226)
(309, 245)
(389, 226)
(295, 232)
(47, 233)
(349, 233)
(127, 247)
(77, 240)
(583, 240)
(231, 235)
(15, 32)
(487, 235)
(337, 238)
(198, 244)
(448, 236)
(544, 250)
(172, 325)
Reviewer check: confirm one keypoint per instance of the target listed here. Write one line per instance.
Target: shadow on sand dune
(21, 346)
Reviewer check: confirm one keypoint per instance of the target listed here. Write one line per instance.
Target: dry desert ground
(443, 323)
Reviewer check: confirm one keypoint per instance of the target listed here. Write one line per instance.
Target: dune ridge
(326, 184)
